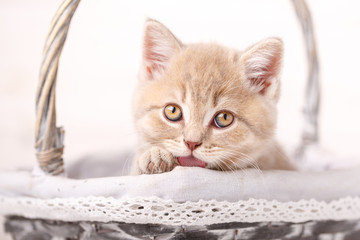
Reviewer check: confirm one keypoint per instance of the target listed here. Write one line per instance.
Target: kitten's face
(207, 101)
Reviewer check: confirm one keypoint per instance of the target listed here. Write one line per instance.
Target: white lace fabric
(185, 196)
(159, 211)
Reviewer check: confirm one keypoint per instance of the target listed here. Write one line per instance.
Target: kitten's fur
(203, 79)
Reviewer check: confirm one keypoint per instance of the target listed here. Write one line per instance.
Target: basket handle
(48, 138)
(311, 107)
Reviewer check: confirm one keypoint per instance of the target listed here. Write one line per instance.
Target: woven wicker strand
(310, 132)
(49, 138)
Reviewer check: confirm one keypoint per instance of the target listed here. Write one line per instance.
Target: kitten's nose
(192, 145)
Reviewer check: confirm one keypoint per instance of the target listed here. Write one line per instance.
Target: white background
(99, 64)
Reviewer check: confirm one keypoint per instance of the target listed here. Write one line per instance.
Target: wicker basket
(43, 204)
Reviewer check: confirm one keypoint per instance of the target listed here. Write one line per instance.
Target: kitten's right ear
(159, 46)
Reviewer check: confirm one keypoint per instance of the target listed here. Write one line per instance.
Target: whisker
(258, 170)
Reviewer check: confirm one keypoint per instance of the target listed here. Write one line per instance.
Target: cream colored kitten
(206, 105)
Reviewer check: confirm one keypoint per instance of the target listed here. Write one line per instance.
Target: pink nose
(192, 145)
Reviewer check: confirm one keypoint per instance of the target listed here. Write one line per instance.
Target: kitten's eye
(172, 112)
(223, 119)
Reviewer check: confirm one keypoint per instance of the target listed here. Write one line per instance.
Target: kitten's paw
(157, 160)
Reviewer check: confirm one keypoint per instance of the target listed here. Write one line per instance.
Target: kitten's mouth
(191, 161)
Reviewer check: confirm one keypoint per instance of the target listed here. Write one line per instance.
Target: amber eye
(172, 112)
(223, 119)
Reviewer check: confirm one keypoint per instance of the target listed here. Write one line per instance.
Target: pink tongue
(191, 162)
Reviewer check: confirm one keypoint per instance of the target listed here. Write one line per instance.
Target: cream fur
(203, 79)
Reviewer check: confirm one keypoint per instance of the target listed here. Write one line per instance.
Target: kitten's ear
(261, 65)
(160, 45)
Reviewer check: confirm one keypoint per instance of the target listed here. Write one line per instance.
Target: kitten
(206, 105)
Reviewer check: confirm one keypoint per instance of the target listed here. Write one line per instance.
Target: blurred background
(99, 65)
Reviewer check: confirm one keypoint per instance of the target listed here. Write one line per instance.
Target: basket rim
(191, 184)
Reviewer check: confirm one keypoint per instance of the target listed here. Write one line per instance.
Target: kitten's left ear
(261, 64)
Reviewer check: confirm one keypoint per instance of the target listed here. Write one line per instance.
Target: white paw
(156, 160)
